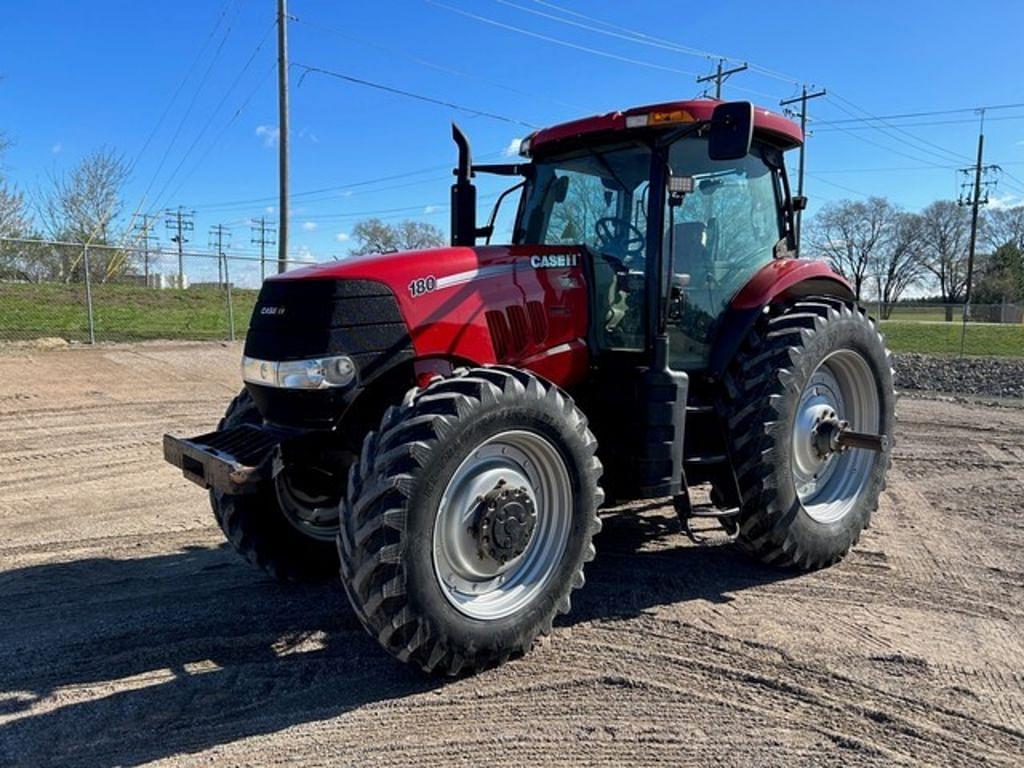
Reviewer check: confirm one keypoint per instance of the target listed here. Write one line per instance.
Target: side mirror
(732, 130)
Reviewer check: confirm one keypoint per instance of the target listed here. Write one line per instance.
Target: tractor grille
(296, 319)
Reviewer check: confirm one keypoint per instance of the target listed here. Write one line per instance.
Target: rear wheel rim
(843, 386)
(477, 585)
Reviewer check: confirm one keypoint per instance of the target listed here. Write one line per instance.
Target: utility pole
(262, 236)
(802, 99)
(179, 222)
(720, 76)
(218, 233)
(282, 141)
(976, 197)
(143, 229)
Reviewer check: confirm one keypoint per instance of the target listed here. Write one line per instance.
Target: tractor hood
(521, 305)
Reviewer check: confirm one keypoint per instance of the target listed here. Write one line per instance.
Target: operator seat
(690, 255)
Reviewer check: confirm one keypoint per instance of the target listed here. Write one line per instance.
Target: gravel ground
(130, 634)
(985, 376)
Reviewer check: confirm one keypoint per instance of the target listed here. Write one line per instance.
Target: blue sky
(80, 75)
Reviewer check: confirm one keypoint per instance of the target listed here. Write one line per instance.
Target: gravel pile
(988, 376)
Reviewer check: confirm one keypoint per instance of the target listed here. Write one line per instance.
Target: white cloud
(342, 237)
(270, 209)
(513, 148)
(1004, 201)
(306, 133)
(309, 226)
(57, 148)
(431, 209)
(269, 133)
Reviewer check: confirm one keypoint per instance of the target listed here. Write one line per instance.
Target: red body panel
(777, 277)
(493, 304)
(768, 124)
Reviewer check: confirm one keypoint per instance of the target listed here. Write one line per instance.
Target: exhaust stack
(463, 200)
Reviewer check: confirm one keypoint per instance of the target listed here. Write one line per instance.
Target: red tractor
(442, 422)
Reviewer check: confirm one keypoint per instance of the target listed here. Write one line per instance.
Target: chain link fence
(107, 293)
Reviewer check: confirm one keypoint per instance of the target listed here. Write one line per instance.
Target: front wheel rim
(474, 583)
(843, 386)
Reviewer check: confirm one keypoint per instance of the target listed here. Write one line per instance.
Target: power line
(944, 150)
(181, 85)
(213, 114)
(645, 39)
(409, 94)
(560, 41)
(403, 53)
(838, 186)
(220, 134)
(351, 185)
(932, 113)
(923, 123)
(191, 106)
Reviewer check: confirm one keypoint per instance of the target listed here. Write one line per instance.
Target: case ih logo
(555, 260)
(274, 311)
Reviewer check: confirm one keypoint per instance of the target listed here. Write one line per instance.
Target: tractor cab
(675, 206)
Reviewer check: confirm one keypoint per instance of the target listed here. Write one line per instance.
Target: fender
(780, 280)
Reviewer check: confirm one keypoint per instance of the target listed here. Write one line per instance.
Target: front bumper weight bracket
(233, 461)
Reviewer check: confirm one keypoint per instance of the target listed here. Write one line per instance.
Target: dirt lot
(130, 634)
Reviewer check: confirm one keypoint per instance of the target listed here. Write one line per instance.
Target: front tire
(259, 530)
(469, 517)
(815, 358)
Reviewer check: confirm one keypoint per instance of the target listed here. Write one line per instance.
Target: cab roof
(768, 126)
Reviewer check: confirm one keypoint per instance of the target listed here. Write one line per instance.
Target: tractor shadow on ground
(205, 651)
(644, 561)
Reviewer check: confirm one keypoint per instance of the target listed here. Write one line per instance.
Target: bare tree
(1004, 226)
(851, 235)
(945, 232)
(376, 236)
(81, 205)
(899, 264)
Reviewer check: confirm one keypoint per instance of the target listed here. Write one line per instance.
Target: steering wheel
(620, 234)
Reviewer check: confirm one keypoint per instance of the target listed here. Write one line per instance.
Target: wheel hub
(504, 523)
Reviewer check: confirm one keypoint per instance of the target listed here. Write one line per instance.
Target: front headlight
(318, 373)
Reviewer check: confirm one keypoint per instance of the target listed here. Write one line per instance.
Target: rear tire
(256, 527)
(816, 354)
(412, 549)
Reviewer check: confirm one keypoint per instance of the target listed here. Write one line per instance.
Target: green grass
(939, 338)
(122, 312)
(935, 314)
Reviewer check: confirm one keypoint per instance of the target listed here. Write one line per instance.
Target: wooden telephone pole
(282, 142)
(802, 100)
(720, 76)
